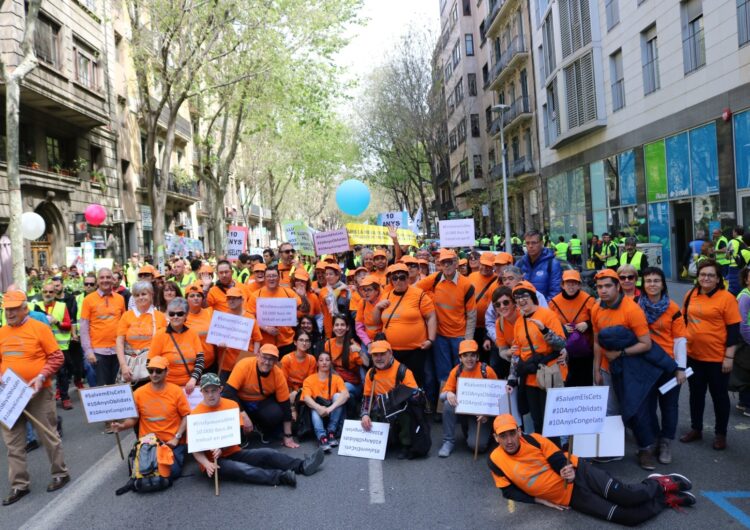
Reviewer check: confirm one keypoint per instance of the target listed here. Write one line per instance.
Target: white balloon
(32, 225)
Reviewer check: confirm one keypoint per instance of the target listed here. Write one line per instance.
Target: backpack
(482, 368)
(149, 464)
(467, 296)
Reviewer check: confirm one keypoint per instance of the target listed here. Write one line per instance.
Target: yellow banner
(360, 234)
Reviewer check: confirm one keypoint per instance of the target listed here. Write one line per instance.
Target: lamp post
(500, 109)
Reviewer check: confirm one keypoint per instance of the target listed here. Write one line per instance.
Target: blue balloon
(352, 197)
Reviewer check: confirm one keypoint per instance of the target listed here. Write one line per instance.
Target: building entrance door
(41, 252)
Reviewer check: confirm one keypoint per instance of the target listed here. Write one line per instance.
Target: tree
(12, 79)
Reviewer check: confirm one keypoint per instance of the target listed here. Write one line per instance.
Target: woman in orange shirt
(505, 307)
(301, 285)
(136, 329)
(298, 365)
(346, 355)
(199, 320)
(713, 326)
(325, 394)
(367, 325)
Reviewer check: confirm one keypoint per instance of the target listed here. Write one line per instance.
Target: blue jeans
(668, 405)
(449, 428)
(257, 466)
(645, 423)
(30, 434)
(733, 279)
(90, 373)
(333, 421)
(437, 368)
(613, 406)
(179, 460)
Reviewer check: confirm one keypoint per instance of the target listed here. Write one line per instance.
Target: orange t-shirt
(245, 378)
(253, 285)
(366, 315)
(381, 277)
(296, 371)
(327, 316)
(313, 387)
(229, 359)
(568, 309)
(355, 301)
(200, 322)
(385, 380)
(286, 333)
(708, 318)
(160, 412)
(628, 314)
(350, 375)
(405, 326)
(315, 307)
(668, 327)
(505, 332)
(449, 302)
(25, 349)
(179, 371)
(285, 273)
(479, 281)
(224, 404)
(217, 298)
(530, 471)
(451, 384)
(549, 319)
(103, 314)
(139, 330)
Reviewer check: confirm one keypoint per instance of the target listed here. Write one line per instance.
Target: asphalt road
(347, 492)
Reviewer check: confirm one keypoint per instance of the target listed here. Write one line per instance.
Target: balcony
(494, 9)
(512, 56)
(187, 192)
(522, 166)
(41, 178)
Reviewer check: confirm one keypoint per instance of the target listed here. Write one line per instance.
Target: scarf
(653, 310)
(331, 299)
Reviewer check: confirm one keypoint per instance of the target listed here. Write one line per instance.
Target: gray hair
(103, 269)
(366, 251)
(631, 241)
(514, 270)
(139, 287)
(627, 267)
(178, 304)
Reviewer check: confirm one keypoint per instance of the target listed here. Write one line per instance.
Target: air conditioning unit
(117, 215)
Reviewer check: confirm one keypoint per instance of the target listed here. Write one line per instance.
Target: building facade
(645, 113)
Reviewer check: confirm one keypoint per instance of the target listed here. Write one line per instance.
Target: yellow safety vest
(575, 247)
(561, 251)
(721, 258)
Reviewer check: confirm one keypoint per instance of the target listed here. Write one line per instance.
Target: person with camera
(325, 395)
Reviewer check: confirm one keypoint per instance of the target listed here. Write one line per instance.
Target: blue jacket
(634, 376)
(545, 273)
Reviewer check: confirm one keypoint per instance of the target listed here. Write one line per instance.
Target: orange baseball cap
(13, 299)
(206, 269)
(504, 423)
(503, 258)
(321, 265)
(571, 275)
(270, 349)
(379, 346)
(360, 269)
(446, 253)
(301, 274)
(423, 262)
(399, 267)
(158, 274)
(487, 258)
(158, 362)
(369, 280)
(607, 273)
(380, 253)
(329, 258)
(147, 269)
(409, 260)
(350, 273)
(195, 287)
(467, 346)
(463, 261)
(259, 267)
(524, 286)
(334, 266)
(235, 292)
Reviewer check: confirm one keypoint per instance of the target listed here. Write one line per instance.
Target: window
(54, 152)
(459, 91)
(474, 125)
(478, 166)
(693, 45)
(541, 6)
(482, 33)
(488, 117)
(452, 143)
(86, 67)
(612, 8)
(650, 60)
(469, 39)
(461, 131)
(46, 41)
(448, 71)
(515, 146)
(743, 21)
(463, 169)
(548, 38)
(456, 54)
(451, 104)
(580, 91)
(618, 83)
(485, 75)
(527, 144)
(575, 25)
(472, 80)
(454, 15)
(467, 8)
(551, 115)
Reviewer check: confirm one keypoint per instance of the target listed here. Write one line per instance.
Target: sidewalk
(678, 290)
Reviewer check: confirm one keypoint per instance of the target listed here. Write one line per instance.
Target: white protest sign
(457, 233)
(15, 394)
(276, 311)
(236, 242)
(357, 442)
(479, 397)
(331, 242)
(575, 410)
(233, 330)
(394, 219)
(669, 385)
(213, 430)
(194, 398)
(304, 240)
(108, 403)
(609, 442)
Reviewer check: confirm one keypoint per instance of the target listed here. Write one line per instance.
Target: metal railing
(522, 166)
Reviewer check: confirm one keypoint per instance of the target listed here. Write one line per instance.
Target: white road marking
(80, 490)
(377, 489)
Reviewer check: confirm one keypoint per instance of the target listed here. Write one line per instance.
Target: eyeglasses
(707, 275)
(288, 251)
(502, 303)
(195, 295)
(48, 292)
(522, 296)
(176, 313)
(303, 340)
(627, 277)
(447, 262)
(399, 277)
(413, 265)
(367, 289)
(89, 284)
(156, 371)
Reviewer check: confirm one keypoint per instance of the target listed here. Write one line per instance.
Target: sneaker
(288, 478)
(32, 445)
(746, 413)
(646, 459)
(67, 405)
(324, 445)
(312, 462)
(78, 384)
(680, 498)
(332, 441)
(672, 482)
(445, 450)
(665, 452)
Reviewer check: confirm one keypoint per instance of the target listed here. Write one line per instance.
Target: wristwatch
(178, 435)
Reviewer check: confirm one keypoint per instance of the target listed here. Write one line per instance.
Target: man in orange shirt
(100, 316)
(484, 282)
(216, 295)
(254, 466)
(259, 277)
(280, 336)
(530, 468)
(380, 263)
(29, 348)
(162, 410)
(286, 264)
(227, 357)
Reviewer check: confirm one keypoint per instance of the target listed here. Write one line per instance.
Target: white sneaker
(445, 450)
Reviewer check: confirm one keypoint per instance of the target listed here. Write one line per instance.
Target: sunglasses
(399, 277)
(87, 284)
(156, 371)
(502, 303)
(627, 277)
(48, 292)
(289, 251)
(195, 295)
(176, 313)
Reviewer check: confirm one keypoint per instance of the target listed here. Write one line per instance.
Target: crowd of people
(384, 327)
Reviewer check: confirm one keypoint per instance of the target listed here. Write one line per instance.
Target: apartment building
(645, 113)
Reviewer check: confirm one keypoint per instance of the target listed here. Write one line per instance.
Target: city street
(347, 492)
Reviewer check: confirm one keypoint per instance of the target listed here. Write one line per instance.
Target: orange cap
(379, 346)
(369, 280)
(147, 269)
(329, 258)
(399, 267)
(301, 274)
(503, 258)
(504, 423)
(259, 267)
(446, 253)
(360, 269)
(13, 299)
(321, 265)
(379, 253)
(467, 346)
(235, 292)
(463, 261)
(607, 273)
(158, 362)
(195, 287)
(350, 273)
(409, 260)
(269, 349)
(423, 262)
(571, 275)
(487, 258)
(524, 286)
(334, 266)
(158, 274)
(206, 269)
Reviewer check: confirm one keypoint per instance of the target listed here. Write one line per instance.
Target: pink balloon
(95, 214)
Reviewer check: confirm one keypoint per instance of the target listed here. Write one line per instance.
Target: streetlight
(506, 217)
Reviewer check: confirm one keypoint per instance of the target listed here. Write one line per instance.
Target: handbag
(549, 376)
(136, 360)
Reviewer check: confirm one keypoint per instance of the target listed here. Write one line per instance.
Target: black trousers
(414, 361)
(708, 376)
(580, 371)
(76, 358)
(258, 466)
(267, 415)
(597, 493)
